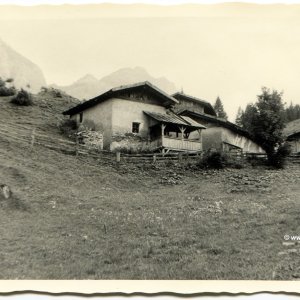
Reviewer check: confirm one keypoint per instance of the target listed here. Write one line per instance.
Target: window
(135, 127)
(80, 117)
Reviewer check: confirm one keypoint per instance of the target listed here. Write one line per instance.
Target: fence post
(77, 145)
(180, 157)
(118, 156)
(154, 158)
(32, 139)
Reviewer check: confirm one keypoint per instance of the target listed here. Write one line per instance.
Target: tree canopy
(219, 109)
(292, 112)
(239, 115)
(265, 121)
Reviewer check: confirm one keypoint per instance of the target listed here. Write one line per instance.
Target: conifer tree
(239, 115)
(219, 109)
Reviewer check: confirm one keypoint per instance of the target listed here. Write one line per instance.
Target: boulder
(5, 192)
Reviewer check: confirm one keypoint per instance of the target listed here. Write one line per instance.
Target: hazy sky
(230, 50)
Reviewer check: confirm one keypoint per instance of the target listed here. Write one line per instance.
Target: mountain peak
(87, 78)
(88, 86)
(21, 69)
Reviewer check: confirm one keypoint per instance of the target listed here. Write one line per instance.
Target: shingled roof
(172, 118)
(218, 121)
(166, 99)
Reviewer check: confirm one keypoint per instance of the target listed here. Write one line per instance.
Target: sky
(225, 50)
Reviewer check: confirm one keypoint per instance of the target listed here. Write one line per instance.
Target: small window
(135, 127)
(80, 117)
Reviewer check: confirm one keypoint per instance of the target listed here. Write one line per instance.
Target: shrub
(68, 127)
(278, 159)
(256, 161)
(23, 98)
(2, 82)
(235, 164)
(44, 89)
(213, 160)
(88, 125)
(57, 94)
(7, 91)
(9, 80)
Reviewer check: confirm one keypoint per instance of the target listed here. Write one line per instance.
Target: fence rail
(33, 136)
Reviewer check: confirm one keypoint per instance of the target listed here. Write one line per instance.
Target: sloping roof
(232, 145)
(218, 121)
(172, 118)
(192, 122)
(205, 103)
(166, 99)
(292, 128)
(166, 118)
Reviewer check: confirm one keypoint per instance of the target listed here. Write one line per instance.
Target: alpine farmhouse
(142, 117)
(139, 116)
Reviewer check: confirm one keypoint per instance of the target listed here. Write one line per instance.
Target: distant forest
(243, 118)
(292, 112)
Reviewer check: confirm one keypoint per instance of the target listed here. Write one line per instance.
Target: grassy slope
(80, 218)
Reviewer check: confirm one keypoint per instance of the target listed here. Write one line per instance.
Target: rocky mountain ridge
(25, 73)
(89, 86)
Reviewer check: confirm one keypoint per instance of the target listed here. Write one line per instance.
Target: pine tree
(248, 117)
(239, 115)
(219, 109)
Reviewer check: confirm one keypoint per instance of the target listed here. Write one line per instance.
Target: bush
(44, 90)
(2, 82)
(278, 159)
(5, 91)
(213, 160)
(68, 127)
(23, 98)
(57, 94)
(88, 125)
(256, 161)
(9, 80)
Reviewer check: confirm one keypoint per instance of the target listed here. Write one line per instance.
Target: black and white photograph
(150, 141)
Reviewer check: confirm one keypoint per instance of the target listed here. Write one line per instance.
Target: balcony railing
(177, 144)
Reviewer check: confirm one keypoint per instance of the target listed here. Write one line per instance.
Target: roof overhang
(166, 100)
(172, 118)
(218, 121)
(205, 103)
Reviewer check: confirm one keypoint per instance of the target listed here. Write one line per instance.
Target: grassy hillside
(84, 218)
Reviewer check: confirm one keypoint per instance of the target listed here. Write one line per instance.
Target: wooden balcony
(176, 144)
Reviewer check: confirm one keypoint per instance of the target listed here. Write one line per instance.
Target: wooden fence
(32, 136)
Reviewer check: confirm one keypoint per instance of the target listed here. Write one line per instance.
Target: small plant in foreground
(278, 159)
(213, 160)
(23, 98)
(68, 127)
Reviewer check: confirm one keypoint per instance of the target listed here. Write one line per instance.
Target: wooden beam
(200, 138)
(163, 126)
(182, 130)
